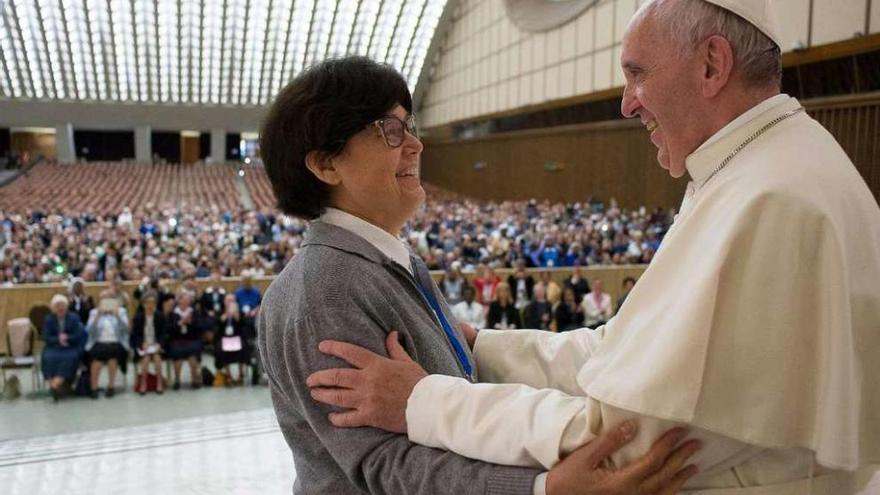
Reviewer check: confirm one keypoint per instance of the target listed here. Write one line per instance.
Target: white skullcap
(758, 13)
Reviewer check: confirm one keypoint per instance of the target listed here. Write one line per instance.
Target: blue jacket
(73, 327)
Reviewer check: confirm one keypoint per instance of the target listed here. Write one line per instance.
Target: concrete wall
(488, 65)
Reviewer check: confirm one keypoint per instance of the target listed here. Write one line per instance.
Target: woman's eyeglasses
(394, 130)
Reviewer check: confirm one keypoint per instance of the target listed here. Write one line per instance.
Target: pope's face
(662, 90)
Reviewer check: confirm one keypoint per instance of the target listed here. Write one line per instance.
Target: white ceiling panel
(212, 52)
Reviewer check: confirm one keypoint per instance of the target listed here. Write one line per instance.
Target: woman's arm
(374, 460)
(50, 330)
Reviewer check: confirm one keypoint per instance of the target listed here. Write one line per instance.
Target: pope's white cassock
(757, 324)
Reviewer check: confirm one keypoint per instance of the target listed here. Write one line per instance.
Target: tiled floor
(232, 453)
(208, 441)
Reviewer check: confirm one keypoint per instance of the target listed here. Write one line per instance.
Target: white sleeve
(508, 424)
(537, 358)
(540, 487)
(521, 426)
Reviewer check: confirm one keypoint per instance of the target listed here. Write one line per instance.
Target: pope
(757, 324)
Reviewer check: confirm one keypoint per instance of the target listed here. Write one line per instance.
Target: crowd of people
(166, 242)
(521, 301)
(83, 337)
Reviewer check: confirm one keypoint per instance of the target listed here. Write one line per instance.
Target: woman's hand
(660, 471)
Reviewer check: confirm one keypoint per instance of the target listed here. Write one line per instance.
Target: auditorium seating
(108, 187)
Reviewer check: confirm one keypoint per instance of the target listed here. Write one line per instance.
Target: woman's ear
(321, 165)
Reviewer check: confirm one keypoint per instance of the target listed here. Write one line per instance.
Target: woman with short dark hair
(340, 148)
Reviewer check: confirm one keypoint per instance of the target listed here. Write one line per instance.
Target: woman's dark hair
(319, 111)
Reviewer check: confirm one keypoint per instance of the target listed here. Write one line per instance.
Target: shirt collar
(387, 244)
(709, 155)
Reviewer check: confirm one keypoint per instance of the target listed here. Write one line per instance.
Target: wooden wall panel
(36, 144)
(607, 160)
(615, 159)
(189, 149)
(855, 123)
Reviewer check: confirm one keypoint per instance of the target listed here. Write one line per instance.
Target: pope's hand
(660, 471)
(375, 392)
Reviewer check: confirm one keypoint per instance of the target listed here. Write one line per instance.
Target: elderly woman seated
(64, 336)
(184, 339)
(107, 342)
(148, 342)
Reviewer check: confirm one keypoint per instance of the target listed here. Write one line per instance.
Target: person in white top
(468, 310)
(597, 306)
(757, 322)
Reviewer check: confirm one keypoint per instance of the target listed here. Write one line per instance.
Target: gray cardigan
(339, 286)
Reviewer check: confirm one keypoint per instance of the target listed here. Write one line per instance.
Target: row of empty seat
(108, 187)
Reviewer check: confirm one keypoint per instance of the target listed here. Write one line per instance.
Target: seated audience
(569, 315)
(522, 285)
(628, 284)
(248, 297)
(452, 284)
(538, 313)
(597, 306)
(503, 314)
(470, 311)
(577, 282)
(148, 340)
(486, 285)
(81, 304)
(211, 305)
(184, 340)
(230, 346)
(108, 341)
(173, 242)
(64, 336)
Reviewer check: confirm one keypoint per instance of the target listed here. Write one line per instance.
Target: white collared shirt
(390, 246)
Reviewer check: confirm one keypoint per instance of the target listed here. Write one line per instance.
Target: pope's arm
(518, 425)
(537, 358)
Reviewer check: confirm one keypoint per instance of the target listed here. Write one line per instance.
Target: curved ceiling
(203, 52)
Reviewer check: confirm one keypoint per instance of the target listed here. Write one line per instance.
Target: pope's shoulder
(801, 166)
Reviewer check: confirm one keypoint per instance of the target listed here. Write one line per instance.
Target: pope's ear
(320, 164)
(718, 65)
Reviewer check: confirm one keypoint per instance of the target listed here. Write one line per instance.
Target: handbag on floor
(83, 387)
(12, 389)
(152, 382)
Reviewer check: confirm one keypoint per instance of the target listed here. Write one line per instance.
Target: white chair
(20, 338)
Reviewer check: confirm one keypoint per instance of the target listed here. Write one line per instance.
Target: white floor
(233, 453)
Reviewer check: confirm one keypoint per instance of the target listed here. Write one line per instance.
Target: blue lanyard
(447, 329)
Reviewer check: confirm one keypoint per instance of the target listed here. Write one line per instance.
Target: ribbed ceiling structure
(208, 52)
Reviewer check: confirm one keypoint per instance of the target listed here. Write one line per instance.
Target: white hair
(687, 23)
(59, 299)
